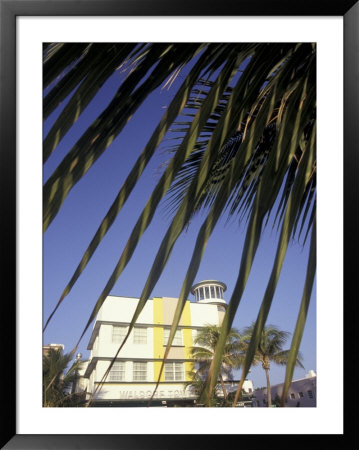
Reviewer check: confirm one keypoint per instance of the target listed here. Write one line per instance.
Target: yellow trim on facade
(187, 338)
(158, 351)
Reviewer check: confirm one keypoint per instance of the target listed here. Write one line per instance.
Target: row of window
(292, 396)
(301, 394)
(173, 371)
(140, 335)
(208, 292)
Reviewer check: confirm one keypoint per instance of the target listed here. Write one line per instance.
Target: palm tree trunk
(269, 395)
(238, 392)
(223, 387)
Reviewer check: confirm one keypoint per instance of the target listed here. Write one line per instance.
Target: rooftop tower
(210, 291)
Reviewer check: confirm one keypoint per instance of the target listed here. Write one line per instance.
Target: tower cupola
(210, 291)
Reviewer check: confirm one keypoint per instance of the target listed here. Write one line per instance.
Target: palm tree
(247, 114)
(203, 352)
(57, 382)
(269, 350)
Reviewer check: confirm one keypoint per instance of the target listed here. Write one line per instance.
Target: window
(177, 340)
(301, 394)
(117, 372)
(201, 297)
(174, 372)
(292, 396)
(139, 335)
(118, 334)
(219, 292)
(207, 292)
(139, 371)
(310, 394)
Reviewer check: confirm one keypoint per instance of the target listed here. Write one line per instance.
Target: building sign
(137, 392)
(134, 394)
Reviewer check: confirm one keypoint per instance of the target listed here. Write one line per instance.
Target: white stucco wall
(203, 314)
(248, 386)
(107, 348)
(118, 311)
(102, 366)
(121, 309)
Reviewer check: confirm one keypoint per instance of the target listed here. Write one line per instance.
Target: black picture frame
(9, 10)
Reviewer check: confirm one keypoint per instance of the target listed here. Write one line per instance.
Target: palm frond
(108, 125)
(302, 315)
(246, 131)
(169, 116)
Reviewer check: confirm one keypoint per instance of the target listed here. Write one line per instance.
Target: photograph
(179, 184)
(169, 249)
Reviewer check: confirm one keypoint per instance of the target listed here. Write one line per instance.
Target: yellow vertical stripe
(158, 351)
(187, 337)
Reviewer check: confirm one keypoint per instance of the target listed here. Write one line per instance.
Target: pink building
(302, 392)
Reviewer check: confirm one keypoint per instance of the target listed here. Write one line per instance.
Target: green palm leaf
(58, 57)
(107, 126)
(265, 197)
(169, 116)
(248, 149)
(228, 124)
(302, 315)
(149, 210)
(287, 228)
(90, 79)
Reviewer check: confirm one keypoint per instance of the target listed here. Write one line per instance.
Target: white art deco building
(302, 392)
(133, 377)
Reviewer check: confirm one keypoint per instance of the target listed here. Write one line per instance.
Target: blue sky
(71, 231)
